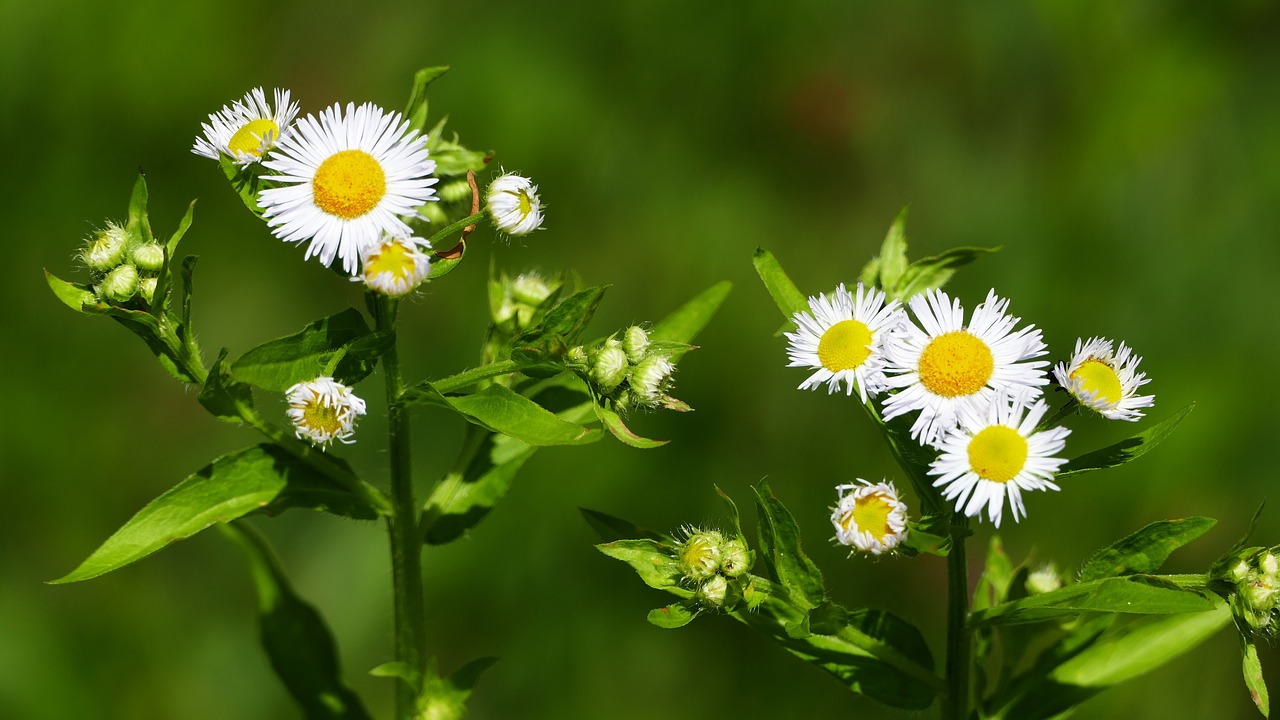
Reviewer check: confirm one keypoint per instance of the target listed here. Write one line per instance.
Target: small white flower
(1105, 380)
(842, 338)
(348, 178)
(395, 266)
(323, 409)
(512, 202)
(997, 452)
(870, 518)
(246, 129)
(944, 367)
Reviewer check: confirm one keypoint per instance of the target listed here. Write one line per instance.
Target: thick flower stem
(406, 547)
(959, 643)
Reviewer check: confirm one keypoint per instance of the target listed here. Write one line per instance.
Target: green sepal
(74, 295)
(224, 397)
(314, 351)
(1126, 450)
(611, 528)
(1138, 594)
(684, 324)
(1145, 550)
(295, 636)
(675, 615)
(445, 698)
(246, 180)
(780, 545)
(263, 478)
(652, 561)
(416, 111)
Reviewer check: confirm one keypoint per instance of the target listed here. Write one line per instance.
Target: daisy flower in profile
(513, 205)
(1105, 380)
(842, 338)
(246, 129)
(323, 409)
(395, 266)
(945, 366)
(997, 452)
(347, 177)
(870, 518)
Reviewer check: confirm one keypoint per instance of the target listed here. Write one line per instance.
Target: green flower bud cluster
(123, 266)
(631, 370)
(518, 304)
(1253, 575)
(714, 565)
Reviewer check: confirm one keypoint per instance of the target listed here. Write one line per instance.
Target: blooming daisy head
(246, 129)
(997, 452)
(870, 518)
(347, 178)
(395, 266)
(842, 339)
(943, 366)
(512, 203)
(1105, 380)
(323, 409)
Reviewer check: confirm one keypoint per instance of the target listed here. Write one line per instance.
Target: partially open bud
(149, 257)
(105, 248)
(699, 554)
(120, 284)
(735, 558)
(651, 379)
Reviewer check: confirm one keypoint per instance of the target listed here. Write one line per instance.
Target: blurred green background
(1125, 154)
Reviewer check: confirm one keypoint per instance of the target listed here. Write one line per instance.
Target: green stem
(475, 375)
(959, 642)
(451, 229)
(402, 525)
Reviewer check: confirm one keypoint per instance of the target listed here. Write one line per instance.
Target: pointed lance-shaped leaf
(1145, 550)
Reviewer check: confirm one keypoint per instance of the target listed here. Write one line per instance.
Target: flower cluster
(1253, 578)
(124, 265)
(711, 563)
(975, 386)
(633, 371)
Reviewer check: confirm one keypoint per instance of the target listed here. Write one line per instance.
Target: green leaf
(674, 615)
(684, 324)
(870, 274)
(446, 698)
(797, 574)
(1125, 450)
(934, 271)
(612, 528)
(416, 111)
(295, 636)
(893, 253)
(499, 408)
(785, 295)
(734, 515)
(1253, 678)
(565, 321)
(1146, 550)
(651, 560)
(312, 352)
(614, 424)
(137, 225)
(226, 399)
(161, 344)
(997, 575)
(261, 478)
(164, 281)
(73, 295)
(245, 180)
(1140, 594)
(443, 263)
(906, 678)
(928, 535)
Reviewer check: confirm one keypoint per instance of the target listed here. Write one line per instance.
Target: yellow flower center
(1100, 379)
(248, 139)
(349, 184)
(844, 346)
(955, 364)
(392, 258)
(870, 514)
(525, 206)
(321, 417)
(998, 453)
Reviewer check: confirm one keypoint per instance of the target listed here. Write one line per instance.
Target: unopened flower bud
(455, 191)
(147, 288)
(576, 358)
(636, 343)
(513, 205)
(735, 558)
(149, 257)
(699, 554)
(610, 367)
(1044, 579)
(120, 284)
(531, 289)
(712, 592)
(650, 379)
(105, 249)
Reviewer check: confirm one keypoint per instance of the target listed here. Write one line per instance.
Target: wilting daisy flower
(247, 128)
(842, 338)
(947, 366)
(395, 266)
(997, 452)
(869, 517)
(512, 202)
(322, 410)
(348, 179)
(1104, 380)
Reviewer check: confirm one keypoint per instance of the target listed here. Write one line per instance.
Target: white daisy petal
(347, 179)
(870, 518)
(1104, 380)
(248, 128)
(513, 204)
(842, 338)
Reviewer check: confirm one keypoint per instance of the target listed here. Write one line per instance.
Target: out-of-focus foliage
(1126, 156)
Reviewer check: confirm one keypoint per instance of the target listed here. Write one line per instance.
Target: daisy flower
(323, 409)
(842, 339)
(870, 518)
(395, 266)
(997, 452)
(246, 129)
(1104, 380)
(513, 205)
(947, 367)
(347, 178)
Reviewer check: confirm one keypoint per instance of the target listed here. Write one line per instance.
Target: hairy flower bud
(735, 558)
(1044, 579)
(610, 367)
(120, 284)
(105, 248)
(699, 554)
(149, 257)
(713, 591)
(636, 342)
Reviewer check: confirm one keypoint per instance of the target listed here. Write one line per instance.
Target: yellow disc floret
(318, 416)
(955, 364)
(391, 258)
(844, 346)
(998, 453)
(349, 184)
(248, 139)
(1100, 380)
(871, 514)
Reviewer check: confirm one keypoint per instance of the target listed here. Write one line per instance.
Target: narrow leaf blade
(1145, 550)
(1126, 450)
(785, 294)
(795, 571)
(685, 323)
